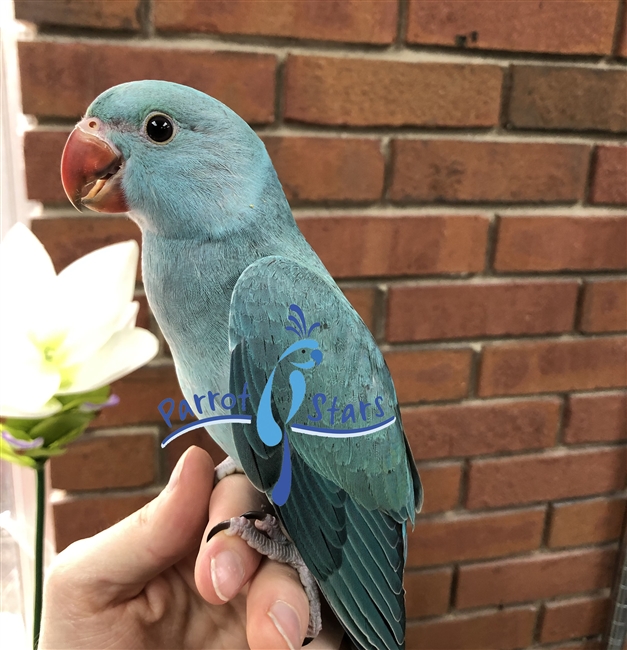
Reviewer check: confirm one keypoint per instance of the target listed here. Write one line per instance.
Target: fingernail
(287, 622)
(176, 472)
(227, 574)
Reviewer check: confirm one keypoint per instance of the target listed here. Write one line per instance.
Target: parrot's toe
(262, 532)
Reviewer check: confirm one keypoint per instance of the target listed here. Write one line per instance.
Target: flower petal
(125, 351)
(27, 274)
(96, 291)
(27, 383)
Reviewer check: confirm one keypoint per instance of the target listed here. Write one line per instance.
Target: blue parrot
(224, 263)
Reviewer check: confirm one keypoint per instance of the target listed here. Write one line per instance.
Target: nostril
(93, 124)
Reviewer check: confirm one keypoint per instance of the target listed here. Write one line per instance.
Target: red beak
(91, 169)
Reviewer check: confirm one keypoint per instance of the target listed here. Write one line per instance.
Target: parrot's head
(304, 354)
(180, 162)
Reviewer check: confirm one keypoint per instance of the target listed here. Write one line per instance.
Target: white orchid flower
(68, 333)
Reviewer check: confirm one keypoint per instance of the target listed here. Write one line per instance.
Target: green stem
(39, 549)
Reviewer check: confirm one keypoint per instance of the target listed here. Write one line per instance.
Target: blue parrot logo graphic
(267, 428)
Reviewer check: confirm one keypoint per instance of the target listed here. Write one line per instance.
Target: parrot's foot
(262, 532)
(227, 467)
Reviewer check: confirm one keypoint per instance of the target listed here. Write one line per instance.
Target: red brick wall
(461, 168)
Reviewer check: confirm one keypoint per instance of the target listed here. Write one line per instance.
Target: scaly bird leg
(263, 532)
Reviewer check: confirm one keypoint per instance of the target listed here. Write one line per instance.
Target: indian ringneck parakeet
(247, 306)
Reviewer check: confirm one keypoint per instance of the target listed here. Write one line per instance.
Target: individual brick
(621, 45)
(80, 517)
(140, 394)
(542, 97)
(482, 427)
(496, 630)
(364, 302)
(569, 619)
(350, 21)
(586, 522)
(546, 476)
(68, 238)
(42, 158)
(58, 79)
(370, 92)
(595, 418)
(543, 575)
(102, 14)
(561, 244)
(428, 592)
(328, 169)
(553, 366)
(474, 537)
(604, 306)
(426, 375)
(353, 246)
(106, 461)
(463, 310)
(471, 171)
(197, 437)
(441, 484)
(609, 176)
(557, 27)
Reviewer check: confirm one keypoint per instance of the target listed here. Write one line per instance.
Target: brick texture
(550, 366)
(68, 238)
(428, 592)
(586, 522)
(462, 310)
(604, 306)
(77, 518)
(430, 374)
(140, 394)
(474, 537)
(357, 92)
(574, 618)
(558, 26)
(328, 169)
(351, 21)
(542, 98)
(103, 14)
(470, 171)
(354, 246)
(561, 243)
(514, 628)
(58, 79)
(111, 461)
(546, 476)
(42, 155)
(441, 484)
(364, 302)
(484, 427)
(595, 418)
(609, 176)
(544, 575)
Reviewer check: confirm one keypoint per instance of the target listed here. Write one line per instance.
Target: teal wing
(350, 497)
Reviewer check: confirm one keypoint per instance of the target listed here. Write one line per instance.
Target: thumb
(116, 564)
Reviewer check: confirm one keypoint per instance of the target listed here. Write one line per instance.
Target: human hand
(147, 581)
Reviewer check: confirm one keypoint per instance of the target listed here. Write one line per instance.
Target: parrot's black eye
(159, 128)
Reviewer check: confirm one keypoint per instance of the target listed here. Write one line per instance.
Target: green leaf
(98, 396)
(7, 453)
(61, 425)
(21, 424)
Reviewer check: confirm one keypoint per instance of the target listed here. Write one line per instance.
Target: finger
(226, 563)
(277, 608)
(115, 564)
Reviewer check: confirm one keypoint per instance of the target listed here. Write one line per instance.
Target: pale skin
(146, 583)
